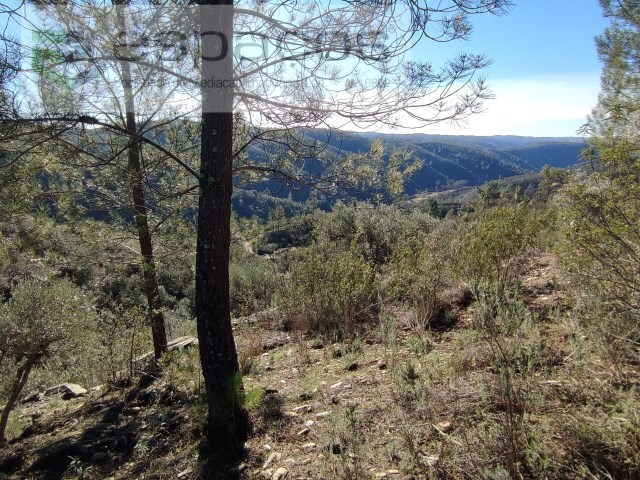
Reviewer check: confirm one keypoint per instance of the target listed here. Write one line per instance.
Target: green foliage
(496, 240)
(329, 290)
(420, 267)
(43, 319)
(294, 232)
(253, 283)
(602, 207)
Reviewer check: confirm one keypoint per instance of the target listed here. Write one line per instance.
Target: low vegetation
(375, 341)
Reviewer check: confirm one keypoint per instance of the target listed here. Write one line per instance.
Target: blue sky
(545, 73)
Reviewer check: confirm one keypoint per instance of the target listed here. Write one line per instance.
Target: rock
(273, 457)
(304, 431)
(99, 457)
(304, 408)
(323, 414)
(186, 472)
(352, 366)
(67, 390)
(32, 397)
(280, 474)
(445, 427)
(235, 472)
(309, 423)
(97, 389)
(136, 410)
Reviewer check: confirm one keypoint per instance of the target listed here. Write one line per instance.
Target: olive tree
(43, 320)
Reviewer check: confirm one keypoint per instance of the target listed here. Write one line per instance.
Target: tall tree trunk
(149, 271)
(227, 424)
(18, 384)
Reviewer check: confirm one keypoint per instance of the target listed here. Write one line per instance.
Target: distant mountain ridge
(450, 160)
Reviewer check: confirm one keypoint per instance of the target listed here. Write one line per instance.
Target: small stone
(267, 447)
(99, 457)
(336, 385)
(273, 457)
(186, 472)
(309, 423)
(303, 408)
(96, 389)
(304, 431)
(136, 410)
(68, 390)
(235, 472)
(33, 397)
(280, 474)
(352, 366)
(323, 414)
(445, 427)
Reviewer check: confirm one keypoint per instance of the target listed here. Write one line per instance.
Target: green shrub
(497, 240)
(329, 290)
(419, 269)
(43, 322)
(253, 283)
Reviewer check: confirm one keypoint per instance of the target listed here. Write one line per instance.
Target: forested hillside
(447, 162)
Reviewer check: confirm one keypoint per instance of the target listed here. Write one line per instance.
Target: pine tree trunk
(149, 271)
(227, 424)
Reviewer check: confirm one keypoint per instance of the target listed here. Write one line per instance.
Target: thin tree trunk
(227, 423)
(18, 384)
(134, 151)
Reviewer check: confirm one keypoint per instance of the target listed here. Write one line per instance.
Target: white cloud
(536, 106)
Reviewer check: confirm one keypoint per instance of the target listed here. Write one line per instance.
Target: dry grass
(395, 403)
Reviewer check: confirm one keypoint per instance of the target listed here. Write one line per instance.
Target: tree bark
(18, 384)
(134, 150)
(227, 423)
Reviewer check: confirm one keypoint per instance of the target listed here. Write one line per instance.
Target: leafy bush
(330, 291)
(496, 241)
(44, 321)
(253, 283)
(419, 270)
